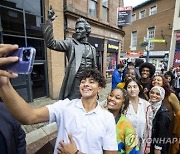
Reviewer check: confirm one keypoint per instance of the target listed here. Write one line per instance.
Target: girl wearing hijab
(170, 101)
(161, 121)
(117, 103)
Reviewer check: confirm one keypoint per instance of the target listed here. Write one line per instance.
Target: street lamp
(146, 43)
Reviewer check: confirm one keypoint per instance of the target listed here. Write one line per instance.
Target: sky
(132, 2)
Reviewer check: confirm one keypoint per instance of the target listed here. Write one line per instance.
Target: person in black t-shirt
(146, 71)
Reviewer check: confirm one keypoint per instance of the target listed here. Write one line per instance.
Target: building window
(105, 10)
(133, 40)
(21, 22)
(142, 14)
(153, 10)
(151, 35)
(133, 17)
(92, 8)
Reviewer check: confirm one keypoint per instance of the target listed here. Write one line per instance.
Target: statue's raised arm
(51, 14)
(81, 55)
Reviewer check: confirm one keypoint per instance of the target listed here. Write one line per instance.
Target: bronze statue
(80, 54)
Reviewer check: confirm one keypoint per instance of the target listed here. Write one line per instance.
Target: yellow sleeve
(121, 85)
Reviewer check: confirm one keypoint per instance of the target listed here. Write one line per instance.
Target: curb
(36, 139)
(40, 133)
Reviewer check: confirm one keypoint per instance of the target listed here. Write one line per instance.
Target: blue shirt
(116, 78)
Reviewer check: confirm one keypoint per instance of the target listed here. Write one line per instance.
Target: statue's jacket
(73, 50)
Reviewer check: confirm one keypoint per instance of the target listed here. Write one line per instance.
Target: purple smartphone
(25, 63)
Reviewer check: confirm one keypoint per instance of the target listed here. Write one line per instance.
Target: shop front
(98, 43)
(20, 24)
(112, 57)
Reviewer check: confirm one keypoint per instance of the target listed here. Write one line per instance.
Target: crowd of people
(153, 104)
(141, 114)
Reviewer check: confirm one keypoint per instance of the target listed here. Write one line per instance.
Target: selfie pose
(92, 128)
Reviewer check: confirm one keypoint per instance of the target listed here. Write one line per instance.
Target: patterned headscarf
(156, 106)
(161, 90)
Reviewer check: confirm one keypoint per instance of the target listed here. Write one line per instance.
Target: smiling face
(145, 73)
(115, 100)
(131, 74)
(154, 95)
(157, 81)
(89, 88)
(133, 89)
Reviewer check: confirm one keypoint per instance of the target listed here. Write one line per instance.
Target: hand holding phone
(24, 65)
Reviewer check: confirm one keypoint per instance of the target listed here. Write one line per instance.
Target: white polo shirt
(92, 131)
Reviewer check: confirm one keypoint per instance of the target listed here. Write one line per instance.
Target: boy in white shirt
(92, 128)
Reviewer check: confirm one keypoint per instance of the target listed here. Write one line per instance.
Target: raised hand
(4, 48)
(51, 14)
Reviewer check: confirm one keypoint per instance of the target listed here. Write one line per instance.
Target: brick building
(174, 57)
(20, 21)
(151, 19)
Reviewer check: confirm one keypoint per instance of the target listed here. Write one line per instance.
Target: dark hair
(87, 25)
(166, 86)
(151, 67)
(123, 110)
(130, 63)
(169, 73)
(95, 74)
(136, 75)
(138, 62)
(141, 94)
(119, 66)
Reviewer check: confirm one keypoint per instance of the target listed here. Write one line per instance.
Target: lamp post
(147, 50)
(146, 44)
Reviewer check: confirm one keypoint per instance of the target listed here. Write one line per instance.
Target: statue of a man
(80, 54)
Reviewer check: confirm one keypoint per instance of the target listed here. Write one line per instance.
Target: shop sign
(124, 15)
(112, 46)
(176, 58)
(178, 36)
(157, 40)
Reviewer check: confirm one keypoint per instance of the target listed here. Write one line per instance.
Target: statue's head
(83, 29)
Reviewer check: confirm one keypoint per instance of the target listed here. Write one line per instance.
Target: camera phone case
(25, 63)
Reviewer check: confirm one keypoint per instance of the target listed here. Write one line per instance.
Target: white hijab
(157, 105)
